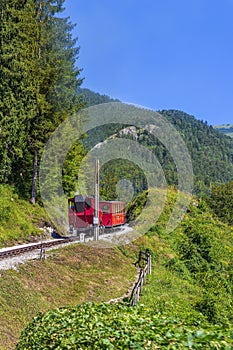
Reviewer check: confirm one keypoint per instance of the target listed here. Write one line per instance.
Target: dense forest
(211, 151)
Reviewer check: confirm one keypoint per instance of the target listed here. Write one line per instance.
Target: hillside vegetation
(20, 222)
(187, 302)
(211, 152)
(92, 98)
(221, 201)
(118, 326)
(68, 276)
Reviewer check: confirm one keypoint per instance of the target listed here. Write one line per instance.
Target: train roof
(100, 201)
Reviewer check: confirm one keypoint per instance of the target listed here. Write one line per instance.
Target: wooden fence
(144, 261)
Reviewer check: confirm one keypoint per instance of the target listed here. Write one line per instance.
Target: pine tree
(38, 81)
(57, 82)
(15, 101)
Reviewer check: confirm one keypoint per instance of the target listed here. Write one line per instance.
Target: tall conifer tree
(38, 81)
(15, 96)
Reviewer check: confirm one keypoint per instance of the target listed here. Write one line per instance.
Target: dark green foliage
(221, 201)
(16, 103)
(211, 152)
(38, 82)
(100, 134)
(92, 98)
(135, 207)
(121, 179)
(117, 326)
(71, 180)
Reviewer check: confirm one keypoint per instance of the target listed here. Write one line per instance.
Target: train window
(79, 206)
(105, 209)
(88, 203)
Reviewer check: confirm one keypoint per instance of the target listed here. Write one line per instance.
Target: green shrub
(118, 326)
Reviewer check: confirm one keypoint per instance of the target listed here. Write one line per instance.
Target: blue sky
(162, 54)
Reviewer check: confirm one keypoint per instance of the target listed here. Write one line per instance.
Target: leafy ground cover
(117, 326)
(19, 220)
(192, 276)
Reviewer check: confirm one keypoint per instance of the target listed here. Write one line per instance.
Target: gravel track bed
(15, 261)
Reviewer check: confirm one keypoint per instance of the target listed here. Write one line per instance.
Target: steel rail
(11, 252)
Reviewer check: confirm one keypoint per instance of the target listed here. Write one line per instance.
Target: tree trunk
(35, 164)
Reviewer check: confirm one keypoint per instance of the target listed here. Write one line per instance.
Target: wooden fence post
(149, 264)
(136, 291)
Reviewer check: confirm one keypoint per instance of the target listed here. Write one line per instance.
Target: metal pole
(96, 209)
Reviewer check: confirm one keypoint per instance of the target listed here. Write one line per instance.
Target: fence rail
(146, 269)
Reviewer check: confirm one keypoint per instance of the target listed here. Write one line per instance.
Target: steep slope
(19, 220)
(186, 302)
(210, 150)
(68, 276)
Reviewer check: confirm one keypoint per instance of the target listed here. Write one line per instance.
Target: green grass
(68, 276)
(19, 220)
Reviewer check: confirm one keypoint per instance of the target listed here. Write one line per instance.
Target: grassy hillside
(226, 129)
(19, 220)
(68, 276)
(187, 300)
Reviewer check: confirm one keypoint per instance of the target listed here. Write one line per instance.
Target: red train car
(81, 213)
(113, 213)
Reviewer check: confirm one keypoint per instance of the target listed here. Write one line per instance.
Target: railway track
(19, 250)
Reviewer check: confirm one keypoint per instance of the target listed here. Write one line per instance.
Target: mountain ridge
(211, 151)
(226, 129)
